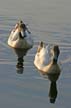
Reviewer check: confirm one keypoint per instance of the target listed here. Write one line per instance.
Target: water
(50, 21)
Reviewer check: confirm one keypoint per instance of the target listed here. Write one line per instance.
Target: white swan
(20, 37)
(41, 61)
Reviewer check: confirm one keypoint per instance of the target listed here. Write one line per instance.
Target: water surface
(50, 21)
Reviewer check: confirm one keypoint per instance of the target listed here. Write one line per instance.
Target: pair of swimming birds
(21, 38)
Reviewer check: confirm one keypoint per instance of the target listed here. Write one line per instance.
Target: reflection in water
(53, 87)
(20, 70)
(53, 77)
(53, 92)
(20, 61)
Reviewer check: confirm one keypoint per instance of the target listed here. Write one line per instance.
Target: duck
(45, 64)
(20, 37)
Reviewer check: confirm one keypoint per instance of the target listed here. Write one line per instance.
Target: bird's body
(20, 38)
(45, 66)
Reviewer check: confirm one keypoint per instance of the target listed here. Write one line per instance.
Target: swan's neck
(21, 36)
(55, 59)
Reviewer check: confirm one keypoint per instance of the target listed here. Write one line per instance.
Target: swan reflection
(20, 60)
(20, 70)
(53, 87)
(53, 92)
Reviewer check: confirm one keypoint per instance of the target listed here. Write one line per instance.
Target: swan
(45, 66)
(20, 37)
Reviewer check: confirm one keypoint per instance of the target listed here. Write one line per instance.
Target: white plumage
(15, 41)
(43, 64)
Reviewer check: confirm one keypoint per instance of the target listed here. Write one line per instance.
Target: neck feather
(55, 59)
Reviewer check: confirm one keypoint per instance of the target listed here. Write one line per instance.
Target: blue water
(50, 21)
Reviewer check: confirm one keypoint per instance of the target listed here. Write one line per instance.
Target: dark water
(50, 21)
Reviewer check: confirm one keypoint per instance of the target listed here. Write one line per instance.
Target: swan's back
(41, 57)
(43, 64)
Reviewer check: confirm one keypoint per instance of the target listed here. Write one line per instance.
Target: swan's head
(55, 53)
(22, 25)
